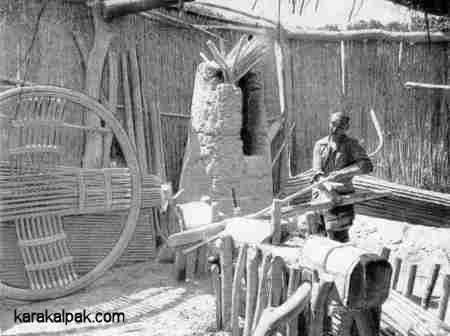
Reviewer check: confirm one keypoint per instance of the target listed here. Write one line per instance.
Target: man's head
(339, 124)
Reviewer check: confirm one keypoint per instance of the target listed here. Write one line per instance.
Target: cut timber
(272, 318)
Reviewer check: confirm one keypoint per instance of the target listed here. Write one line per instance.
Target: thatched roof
(436, 7)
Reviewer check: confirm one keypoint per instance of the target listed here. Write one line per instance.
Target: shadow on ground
(153, 303)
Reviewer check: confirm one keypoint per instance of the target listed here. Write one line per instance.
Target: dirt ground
(154, 304)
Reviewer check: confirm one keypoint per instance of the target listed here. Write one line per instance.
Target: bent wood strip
(272, 318)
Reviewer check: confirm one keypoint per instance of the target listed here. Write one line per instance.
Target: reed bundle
(244, 56)
(64, 191)
(405, 203)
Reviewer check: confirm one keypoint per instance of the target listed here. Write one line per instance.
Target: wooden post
(430, 286)
(253, 257)
(226, 267)
(385, 252)
(276, 222)
(443, 303)
(397, 268)
(263, 291)
(365, 323)
(412, 271)
(215, 271)
(276, 280)
(294, 282)
(180, 266)
(237, 291)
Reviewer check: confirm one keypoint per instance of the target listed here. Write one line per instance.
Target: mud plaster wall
(223, 152)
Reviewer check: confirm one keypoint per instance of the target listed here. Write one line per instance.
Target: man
(332, 154)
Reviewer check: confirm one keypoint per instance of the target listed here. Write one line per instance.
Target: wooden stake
(253, 261)
(443, 303)
(294, 281)
(226, 267)
(385, 252)
(397, 268)
(276, 222)
(412, 271)
(276, 280)
(180, 266)
(215, 271)
(430, 286)
(263, 290)
(237, 291)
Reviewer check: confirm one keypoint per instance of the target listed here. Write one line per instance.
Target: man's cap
(341, 116)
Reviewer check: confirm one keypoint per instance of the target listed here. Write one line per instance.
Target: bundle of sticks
(66, 191)
(405, 203)
(245, 55)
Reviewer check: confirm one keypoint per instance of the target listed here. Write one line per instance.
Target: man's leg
(314, 223)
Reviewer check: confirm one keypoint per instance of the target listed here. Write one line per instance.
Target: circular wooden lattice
(42, 142)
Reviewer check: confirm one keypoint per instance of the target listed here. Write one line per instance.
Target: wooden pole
(276, 280)
(430, 286)
(294, 282)
(443, 303)
(276, 222)
(253, 260)
(263, 292)
(225, 246)
(215, 272)
(237, 291)
(272, 318)
(412, 271)
(397, 268)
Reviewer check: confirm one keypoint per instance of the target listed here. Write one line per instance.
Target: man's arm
(361, 158)
(317, 164)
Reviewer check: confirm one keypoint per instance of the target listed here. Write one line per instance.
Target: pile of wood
(412, 205)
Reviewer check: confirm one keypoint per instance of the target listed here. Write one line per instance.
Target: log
(274, 317)
(225, 246)
(253, 261)
(430, 286)
(237, 290)
(443, 303)
(263, 290)
(116, 8)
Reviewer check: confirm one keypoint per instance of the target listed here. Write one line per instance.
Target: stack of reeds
(66, 191)
(244, 56)
(405, 203)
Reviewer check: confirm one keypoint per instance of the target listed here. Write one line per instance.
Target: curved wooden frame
(132, 162)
